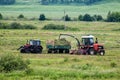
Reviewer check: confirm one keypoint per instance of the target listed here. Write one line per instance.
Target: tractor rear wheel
(39, 50)
(27, 51)
(91, 52)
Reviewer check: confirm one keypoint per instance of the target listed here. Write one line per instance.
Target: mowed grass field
(64, 66)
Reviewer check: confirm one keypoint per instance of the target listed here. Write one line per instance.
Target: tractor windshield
(87, 41)
(35, 42)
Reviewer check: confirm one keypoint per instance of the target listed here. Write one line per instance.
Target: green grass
(65, 66)
(56, 11)
(62, 66)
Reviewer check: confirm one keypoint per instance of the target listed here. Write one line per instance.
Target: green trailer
(58, 46)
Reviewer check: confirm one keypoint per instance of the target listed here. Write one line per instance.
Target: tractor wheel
(102, 53)
(27, 51)
(91, 52)
(38, 51)
(22, 51)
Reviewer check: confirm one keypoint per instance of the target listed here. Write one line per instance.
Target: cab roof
(88, 36)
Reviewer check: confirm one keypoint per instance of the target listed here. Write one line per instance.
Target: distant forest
(7, 2)
(87, 2)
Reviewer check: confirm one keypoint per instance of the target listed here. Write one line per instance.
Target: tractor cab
(88, 40)
(35, 42)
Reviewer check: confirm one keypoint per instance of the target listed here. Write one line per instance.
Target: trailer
(60, 45)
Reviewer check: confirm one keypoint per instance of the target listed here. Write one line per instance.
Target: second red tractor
(89, 46)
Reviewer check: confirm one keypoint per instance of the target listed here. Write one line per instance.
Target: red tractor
(32, 46)
(88, 46)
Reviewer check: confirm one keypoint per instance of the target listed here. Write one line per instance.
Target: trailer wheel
(61, 51)
(49, 51)
(67, 51)
(55, 51)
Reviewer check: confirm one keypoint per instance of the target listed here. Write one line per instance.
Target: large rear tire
(38, 51)
(27, 51)
(91, 52)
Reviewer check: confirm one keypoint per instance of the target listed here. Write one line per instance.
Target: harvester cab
(88, 40)
(31, 46)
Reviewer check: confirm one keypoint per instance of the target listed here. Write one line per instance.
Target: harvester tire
(91, 52)
(102, 53)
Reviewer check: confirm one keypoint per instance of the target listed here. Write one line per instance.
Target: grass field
(62, 66)
(65, 66)
(34, 9)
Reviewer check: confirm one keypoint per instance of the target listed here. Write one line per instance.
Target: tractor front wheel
(102, 53)
(22, 51)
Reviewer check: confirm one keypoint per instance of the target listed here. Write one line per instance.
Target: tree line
(7, 2)
(87, 2)
(111, 17)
